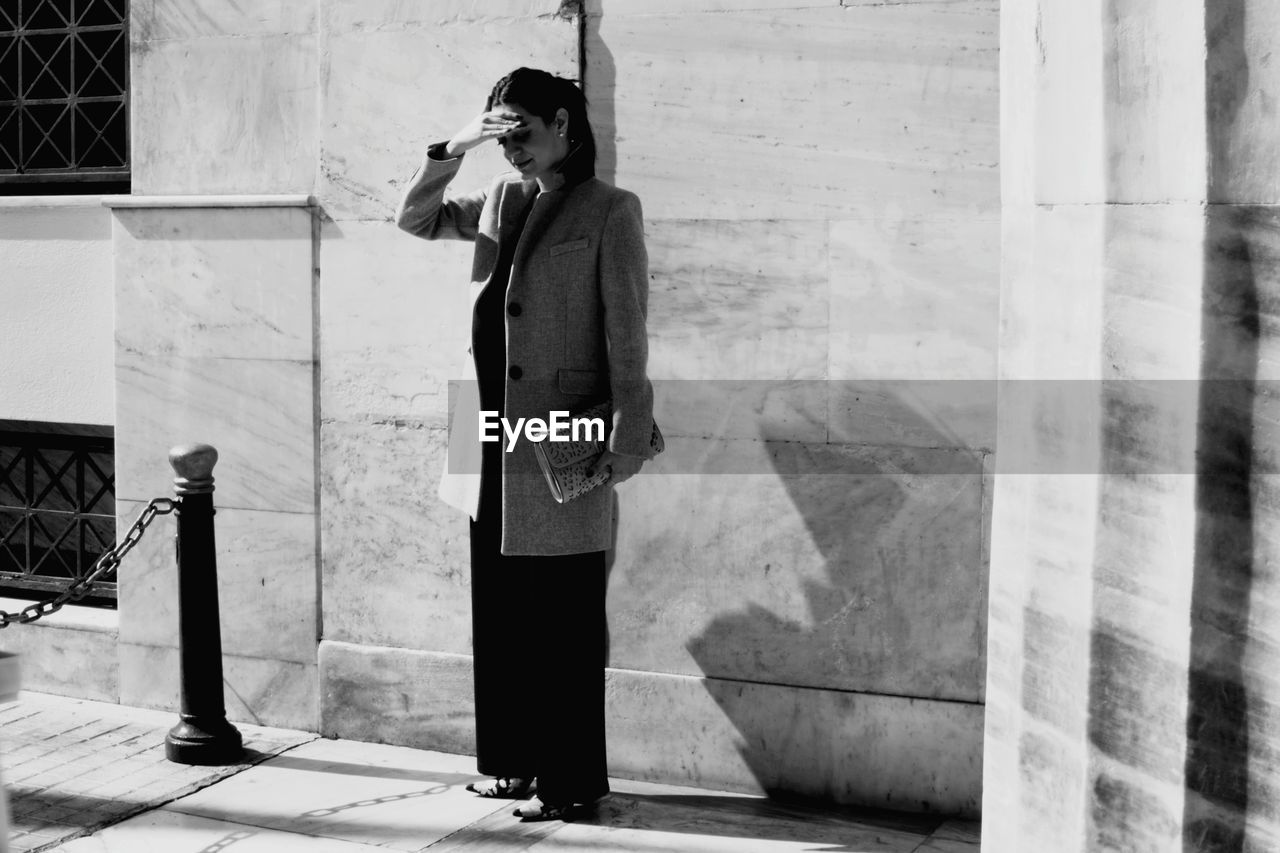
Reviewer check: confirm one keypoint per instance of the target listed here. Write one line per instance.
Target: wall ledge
(71, 617)
(183, 201)
(36, 202)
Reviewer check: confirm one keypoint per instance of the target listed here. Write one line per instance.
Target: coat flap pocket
(571, 246)
(579, 381)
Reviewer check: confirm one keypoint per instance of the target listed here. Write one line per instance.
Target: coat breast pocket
(571, 246)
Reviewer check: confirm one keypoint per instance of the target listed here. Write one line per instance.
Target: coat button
(515, 372)
(514, 309)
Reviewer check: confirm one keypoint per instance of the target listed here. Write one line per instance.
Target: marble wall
(803, 608)
(864, 587)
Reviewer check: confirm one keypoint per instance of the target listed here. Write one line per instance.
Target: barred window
(57, 507)
(64, 96)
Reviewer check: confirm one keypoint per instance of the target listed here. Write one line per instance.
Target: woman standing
(559, 292)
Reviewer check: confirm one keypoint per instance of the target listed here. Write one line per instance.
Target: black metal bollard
(203, 736)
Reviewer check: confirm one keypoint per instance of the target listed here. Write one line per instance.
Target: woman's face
(538, 146)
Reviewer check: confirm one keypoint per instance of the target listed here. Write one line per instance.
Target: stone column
(1132, 643)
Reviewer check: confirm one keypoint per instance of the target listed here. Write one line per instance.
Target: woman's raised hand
(486, 126)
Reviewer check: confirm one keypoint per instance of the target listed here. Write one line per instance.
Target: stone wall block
(913, 316)
(266, 583)
(415, 698)
(397, 559)
(368, 15)
(1241, 306)
(1241, 82)
(66, 659)
(737, 299)
(1154, 265)
(863, 579)
(417, 82)
(258, 414)
(1153, 53)
(214, 344)
(733, 735)
(914, 298)
(159, 20)
(259, 691)
(884, 107)
(148, 578)
(1051, 293)
(224, 115)
(394, 325)
(214, 283)
(1063, 50)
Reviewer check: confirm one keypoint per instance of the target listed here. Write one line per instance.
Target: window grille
(57, 510)
(64, 96)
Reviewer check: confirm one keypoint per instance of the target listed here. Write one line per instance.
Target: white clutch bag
(565, 464)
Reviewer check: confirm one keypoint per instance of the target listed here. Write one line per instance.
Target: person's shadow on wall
(900, 538)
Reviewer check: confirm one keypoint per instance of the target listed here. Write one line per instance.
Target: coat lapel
(543, 214)
(513, 201)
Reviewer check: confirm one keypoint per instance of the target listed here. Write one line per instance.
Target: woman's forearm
(425, 212)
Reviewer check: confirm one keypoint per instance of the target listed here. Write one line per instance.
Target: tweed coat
(575, 325)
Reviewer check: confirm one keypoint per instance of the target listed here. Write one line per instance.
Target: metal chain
(105, 565)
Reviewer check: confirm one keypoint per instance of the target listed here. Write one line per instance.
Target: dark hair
(541, 94)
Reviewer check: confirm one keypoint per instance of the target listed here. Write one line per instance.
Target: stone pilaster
(1130, 688)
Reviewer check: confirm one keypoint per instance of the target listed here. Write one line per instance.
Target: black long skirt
(540, 640)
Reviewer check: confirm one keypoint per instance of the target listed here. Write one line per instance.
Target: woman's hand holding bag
(620, 467)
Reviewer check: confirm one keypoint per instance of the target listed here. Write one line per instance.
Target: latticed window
(64, 96)
(57, 509)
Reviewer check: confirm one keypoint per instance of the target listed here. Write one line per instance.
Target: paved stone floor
(71, 766)
(88, 777)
